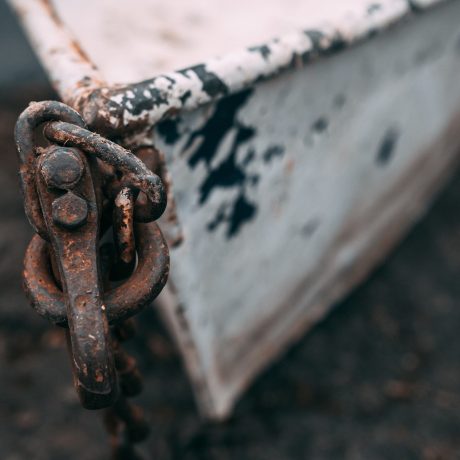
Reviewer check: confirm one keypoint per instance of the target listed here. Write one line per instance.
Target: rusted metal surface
(122, 301)
(66, 193)
(123, 214)
(135, 173)
(125, 422)
(76, 255)
(24, 136)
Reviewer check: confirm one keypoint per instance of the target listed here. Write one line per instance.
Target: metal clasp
(64, 181)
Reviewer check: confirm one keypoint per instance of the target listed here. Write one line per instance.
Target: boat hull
(288, 193)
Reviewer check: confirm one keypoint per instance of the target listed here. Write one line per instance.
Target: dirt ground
(379, 379)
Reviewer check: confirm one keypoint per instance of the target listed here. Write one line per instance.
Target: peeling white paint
(153, 36)
(327, 209)
(129, 33)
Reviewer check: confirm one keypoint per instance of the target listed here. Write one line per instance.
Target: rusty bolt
(62, 168)
(69, 211)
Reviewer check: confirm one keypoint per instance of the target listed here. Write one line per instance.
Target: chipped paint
(112, 108)
(70, 70)
(336, 160)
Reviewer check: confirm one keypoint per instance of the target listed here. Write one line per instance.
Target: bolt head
(62, 168)
(69, 211)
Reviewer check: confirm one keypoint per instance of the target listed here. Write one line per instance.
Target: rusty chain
(97, 257)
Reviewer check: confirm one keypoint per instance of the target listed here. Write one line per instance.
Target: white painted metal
(327, 209)
(290, 188)
(154, 36)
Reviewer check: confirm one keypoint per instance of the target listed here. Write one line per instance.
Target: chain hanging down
(80, 190)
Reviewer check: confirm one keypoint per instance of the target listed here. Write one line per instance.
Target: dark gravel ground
(378, 379)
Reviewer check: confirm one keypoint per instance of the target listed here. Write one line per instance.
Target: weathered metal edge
(71, 72)
(123, 110)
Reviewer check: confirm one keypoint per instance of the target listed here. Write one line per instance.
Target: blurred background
(378, 379)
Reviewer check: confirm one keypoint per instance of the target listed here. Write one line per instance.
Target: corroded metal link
(123, 228)
(135, 173)
(151, 158)
(36, 114)
(73, 229)
(137, 428)
(125, 422)
(128, 372)
(120, 302)
(130, 378)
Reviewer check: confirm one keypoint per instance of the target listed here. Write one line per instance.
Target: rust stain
(52, 13)
(79, 51)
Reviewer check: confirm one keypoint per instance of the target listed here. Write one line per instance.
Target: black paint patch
(228, 174)
(171, 81)
(272, 152)
(316, 37)
(298, 60)
(336, 44)
(305, 57)
(167, 129)
(320, 125)
(251, 154)
(241, 211)
(219, 218)
(414, 7)
(310, 227)
(373, 8)
(212, 85)
(185, 97)
(223, 120)
(372, 32)
(139, 102)
(339, 101)
(264, 50)
(387, 146)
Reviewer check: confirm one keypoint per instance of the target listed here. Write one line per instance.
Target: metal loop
(36, 114)
(121, 302)
(135, 173)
